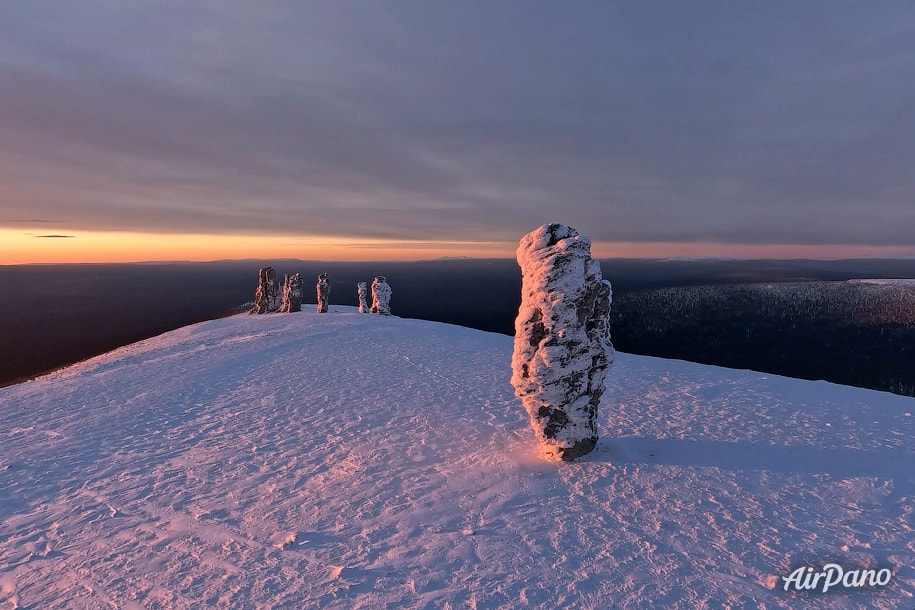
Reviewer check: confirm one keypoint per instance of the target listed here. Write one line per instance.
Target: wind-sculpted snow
(562, 339)
(266, 462)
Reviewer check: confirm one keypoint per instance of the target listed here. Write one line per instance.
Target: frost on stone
(381, 295)
(292, 294)
(323, 289)
(361, 296)
(562, 345)
(265, 295)
(274, 287)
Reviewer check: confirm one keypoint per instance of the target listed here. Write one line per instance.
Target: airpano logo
(832, 576)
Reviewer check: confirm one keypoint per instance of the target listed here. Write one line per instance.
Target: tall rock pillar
(323, 289)
(361, 296)
(292, 294)
(381, 295)
(562, 347)
(262, 296)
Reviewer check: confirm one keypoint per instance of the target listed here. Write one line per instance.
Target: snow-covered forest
(857, 333)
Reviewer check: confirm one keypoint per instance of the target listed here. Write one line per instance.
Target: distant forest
(849, 333)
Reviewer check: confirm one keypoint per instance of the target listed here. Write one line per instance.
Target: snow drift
(265, 461)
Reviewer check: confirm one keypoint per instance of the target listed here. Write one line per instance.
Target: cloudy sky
(454, 127)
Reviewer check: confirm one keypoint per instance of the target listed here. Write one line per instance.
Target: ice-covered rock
(323, 288)
(265, 295)
(273, 287)
(381, 295)
(361, 297)
(562, 347)
(292, 294)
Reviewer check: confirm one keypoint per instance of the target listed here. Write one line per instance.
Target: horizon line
(451, 259)
(19, 247)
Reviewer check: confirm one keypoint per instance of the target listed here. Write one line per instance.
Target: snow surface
(276, 462)
(885, 282)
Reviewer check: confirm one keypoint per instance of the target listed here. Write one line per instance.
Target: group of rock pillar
(562, 348)
(265, 296)
(381, 296)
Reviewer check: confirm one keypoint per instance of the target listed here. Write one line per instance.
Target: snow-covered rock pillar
(292, 294)
(381, 295)
(562, 339)
(361, 297)
(262, 294)
(323, 288)
(272, 286)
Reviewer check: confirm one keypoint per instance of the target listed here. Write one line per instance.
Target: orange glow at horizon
(44, 245)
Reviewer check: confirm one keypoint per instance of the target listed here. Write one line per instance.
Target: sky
(136, 130)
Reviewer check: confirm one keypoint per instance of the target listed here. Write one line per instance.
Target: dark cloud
(56, 236)
(774, 123)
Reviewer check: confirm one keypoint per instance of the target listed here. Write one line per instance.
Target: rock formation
(264, 296)
(381, 295)
(273, 287)
(323, 288)
(292, 294)
(562, 345)
(361, 294)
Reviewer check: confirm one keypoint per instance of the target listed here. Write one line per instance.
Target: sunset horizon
(62, 245)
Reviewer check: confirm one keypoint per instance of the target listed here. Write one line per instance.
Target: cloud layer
(778, 123)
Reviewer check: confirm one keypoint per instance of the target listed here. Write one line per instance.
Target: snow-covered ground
(356, 461)
(886, 282)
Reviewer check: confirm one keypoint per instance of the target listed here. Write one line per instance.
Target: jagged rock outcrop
(361, 296)
(562, 347)
(273, 287)
(381, 295)
(323, 288)
(292, 294)
(265, 295)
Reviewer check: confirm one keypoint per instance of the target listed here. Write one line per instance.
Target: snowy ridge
(352, 461)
